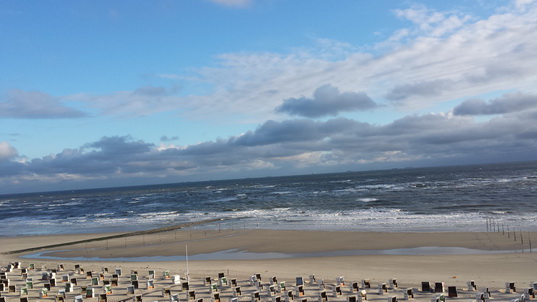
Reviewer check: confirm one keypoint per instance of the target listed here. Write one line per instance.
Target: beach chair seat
(352, 298)
(340, 281)
(289, 296)
(366, 283)
(185, 286)
(233, 282)
(426, 286)
(78, 298)
(277, 299)
(530, 291)
(452, 292)
(313, 281)
(137, 298)
(299, 281)
(23, 299)
(392, 299)
(130, 290)
(439, 287)
(362, 295)
(174, 298)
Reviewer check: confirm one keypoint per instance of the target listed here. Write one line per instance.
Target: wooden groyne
(124, 235)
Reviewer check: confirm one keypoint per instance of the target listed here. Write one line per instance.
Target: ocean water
(462, 198)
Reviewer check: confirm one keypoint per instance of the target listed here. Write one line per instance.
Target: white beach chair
(340, 281)
(510, 287)
(256, 297)
(323, 297)
(393, 283)
(313, 281)
(408, 294)
(337, 291)
(78, 298)
(471, 286)
(176, 279)
(362, 295)
(392, 299)
(299, 281)
(366, 283)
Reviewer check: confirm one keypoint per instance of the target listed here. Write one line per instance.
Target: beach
(489, 258)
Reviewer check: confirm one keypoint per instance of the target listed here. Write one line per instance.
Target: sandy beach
(490, 259)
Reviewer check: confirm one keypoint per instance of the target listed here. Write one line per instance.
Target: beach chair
(23, 299)
(108, 289)
(273, 280)
(222, 281)
(2, 287)
(337, 291)
(362, 295)
(408, 294)
(214, 288)
(65, 278)
(95, 281)
(486, 291)
(221, 275)
(382, 288)
(12, 289)
(68, 287)
(130, 290)
(392, 299)
(510, 287)
(271, 291)
(176, 279)
(150, 284)
(276, 299)
(166, 292)
(89, 275)
(151, 274)
(481, 297)
(313, 280)
(43, 293)
(352, 298)
(233, 282)
(237, 292)
(61, 267)
(137, 298)
(74, 281)
(30, 284)
(258, 277)
(104, 270)
(191, 296)
(530, 291)
(354, 288)
(102, 298)
(256, 297)
(207, 281)
(166, 274)
(234, 300)
(289, 296)
(299, 281)
(78, 298)
(452, 291)
(439, 287)
(46, 286)
(115, 282)
(90, 292)
(134, 277)
(321, 284)
(299, 291)
(282, 287)
(174, 298)
(216, 297)
(323, 297)
(340, 281)
(426, 287)
(393, 283)
(471, 286)
(119, 271)
(23, 291)
(366, 283)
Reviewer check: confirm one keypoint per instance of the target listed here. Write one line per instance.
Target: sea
(435, 199)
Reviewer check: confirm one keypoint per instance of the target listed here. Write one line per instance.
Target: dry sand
(517, 264)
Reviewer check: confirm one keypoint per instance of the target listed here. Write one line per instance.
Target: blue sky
(113, 93)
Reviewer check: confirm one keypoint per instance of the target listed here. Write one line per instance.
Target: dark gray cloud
(508, 103)
(326, 101)
(166, 138)
(422, 89)
(289, 145)
(35, 105)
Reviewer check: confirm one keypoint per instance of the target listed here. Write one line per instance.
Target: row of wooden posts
(493, 225)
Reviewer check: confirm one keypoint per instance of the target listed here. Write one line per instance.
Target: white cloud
(7, 151)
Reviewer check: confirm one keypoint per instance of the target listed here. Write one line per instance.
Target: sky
(107, 93)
